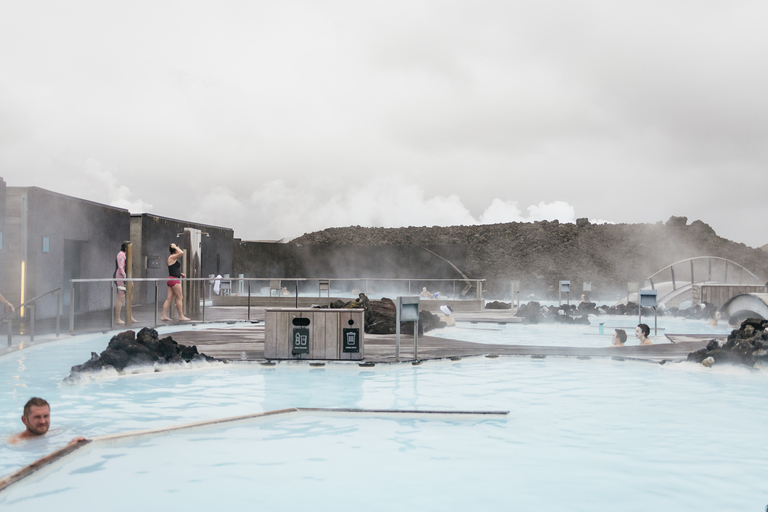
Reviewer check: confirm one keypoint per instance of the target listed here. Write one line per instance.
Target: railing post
(155, 302)
(71, 308)
(249, 300)
(58, 313)
(205, 293)
(31, 322)
(10, 331)
(112, 304)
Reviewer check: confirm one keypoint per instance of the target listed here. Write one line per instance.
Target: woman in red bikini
(174, 284)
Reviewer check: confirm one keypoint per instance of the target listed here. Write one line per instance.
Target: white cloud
(494, 112)
(100, 182)
(556, 210)
(286, 212)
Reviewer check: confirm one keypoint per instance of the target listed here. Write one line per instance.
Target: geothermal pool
(589, 435)
(576, 335)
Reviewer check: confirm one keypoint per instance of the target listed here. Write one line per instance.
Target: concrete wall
(2, 235)
(151, 235)
(58, 238)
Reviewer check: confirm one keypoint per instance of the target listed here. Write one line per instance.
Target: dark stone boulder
(745, 346)
(126, 350)
(677, 222)
(381, 316)
(530, 313)
(587, 308)
(498, 305)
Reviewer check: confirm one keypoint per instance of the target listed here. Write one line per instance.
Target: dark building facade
(50, 239)
(151, 236)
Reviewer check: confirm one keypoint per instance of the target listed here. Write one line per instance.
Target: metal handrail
(211, 279)
(709, 258)
(31, 305)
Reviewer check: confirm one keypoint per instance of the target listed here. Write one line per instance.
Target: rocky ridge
(539, 254)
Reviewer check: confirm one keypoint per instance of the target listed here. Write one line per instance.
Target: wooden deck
(246, 342)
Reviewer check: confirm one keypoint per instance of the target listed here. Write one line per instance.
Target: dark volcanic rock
(536, 254)
(746, 345)
(126, 349)
(381, 316)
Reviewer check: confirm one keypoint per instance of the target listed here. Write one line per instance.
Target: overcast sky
(278, 118)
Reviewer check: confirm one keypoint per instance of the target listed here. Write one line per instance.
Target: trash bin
(314, 333)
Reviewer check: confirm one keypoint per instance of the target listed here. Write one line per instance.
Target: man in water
(619, 337)
(37, 419)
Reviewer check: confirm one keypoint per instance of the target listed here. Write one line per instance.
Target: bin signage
(351, 340)
(300, 340)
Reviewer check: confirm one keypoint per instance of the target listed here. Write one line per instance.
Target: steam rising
(280, 118)
(285, 212)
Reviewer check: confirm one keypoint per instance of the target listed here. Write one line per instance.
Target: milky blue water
(585, 435)
(577, 335)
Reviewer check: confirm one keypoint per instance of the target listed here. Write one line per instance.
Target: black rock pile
(128, 349)
(381, 316)
(747, 345)
(533, 312)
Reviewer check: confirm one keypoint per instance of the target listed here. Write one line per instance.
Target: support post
(58, 313)
(155, 302)
(112, 292)
(31, 322)
(128, 284)
(72, 308)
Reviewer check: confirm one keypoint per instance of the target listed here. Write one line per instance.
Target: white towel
(217, 284)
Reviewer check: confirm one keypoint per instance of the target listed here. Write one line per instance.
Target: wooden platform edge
(60, 453)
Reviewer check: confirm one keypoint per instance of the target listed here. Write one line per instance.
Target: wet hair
(646, 330)
(125, 245)
(35, 402)
(622, 335)
(170, 247)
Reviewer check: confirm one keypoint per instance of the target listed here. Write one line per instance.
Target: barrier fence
(455, 289)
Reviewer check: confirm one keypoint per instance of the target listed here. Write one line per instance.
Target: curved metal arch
(671, 269)
(756, 303)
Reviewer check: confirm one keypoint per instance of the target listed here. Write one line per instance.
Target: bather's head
(37, 416)
(619, 337)
(642, 329)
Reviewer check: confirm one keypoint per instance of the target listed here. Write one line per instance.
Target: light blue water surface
(580, 435)
(577, 335)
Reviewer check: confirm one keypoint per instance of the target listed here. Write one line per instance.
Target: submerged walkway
(247, 343)
(244, 340)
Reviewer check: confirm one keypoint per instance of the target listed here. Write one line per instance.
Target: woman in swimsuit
(120, 273)
(174, 283)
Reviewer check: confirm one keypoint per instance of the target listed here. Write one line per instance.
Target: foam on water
(581, 435)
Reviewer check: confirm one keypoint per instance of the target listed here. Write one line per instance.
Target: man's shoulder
(17, 438)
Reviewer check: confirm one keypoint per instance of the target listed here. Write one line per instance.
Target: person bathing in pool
(37, 419)
(619, 337)
(642, 331)
(174, 284)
